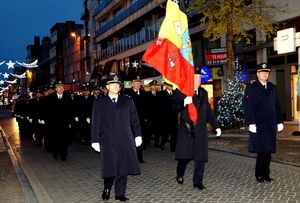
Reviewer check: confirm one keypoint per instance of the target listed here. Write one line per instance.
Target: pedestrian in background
(192, 141)
(115, 134)
(263, 116)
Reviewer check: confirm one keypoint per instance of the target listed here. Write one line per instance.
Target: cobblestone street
(228, 177)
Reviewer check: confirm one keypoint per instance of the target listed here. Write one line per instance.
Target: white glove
(279, 127)
(27, 117)
(76, 119)
(30, 120)
(138, 141)
(218, 132)
(252, 128)
(96, 146)
(88, 120)
(187, 100)
(22, 117)
(70, 126)
(41, 121)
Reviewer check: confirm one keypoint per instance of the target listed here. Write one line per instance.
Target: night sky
(21, 20)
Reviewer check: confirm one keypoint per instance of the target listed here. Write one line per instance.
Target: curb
(27, 189)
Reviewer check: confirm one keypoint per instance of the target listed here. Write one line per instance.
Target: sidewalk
(228, 177)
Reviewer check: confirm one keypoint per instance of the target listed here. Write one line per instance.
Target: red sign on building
(216, 56)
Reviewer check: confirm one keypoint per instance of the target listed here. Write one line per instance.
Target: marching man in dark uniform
(140, 100)
(168, 118)
(36, 109)
(115, 134)
(97, 91)
(84, 105)
(192, 141)
(154, 112)
(59, 120)
(263, 115)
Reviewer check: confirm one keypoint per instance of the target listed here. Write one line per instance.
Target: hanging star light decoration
(135, 64)
(10, 64)
(5, 75)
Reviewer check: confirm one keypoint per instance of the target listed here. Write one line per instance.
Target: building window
(53, 37)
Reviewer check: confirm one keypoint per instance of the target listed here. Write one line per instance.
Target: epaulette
(127, 95)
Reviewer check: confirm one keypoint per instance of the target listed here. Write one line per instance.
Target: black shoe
(121, 198)
(179, 180)
(260, 179)
(268, 179)
(63, 159)
(142, 162)
(105, 194)
(199, 186)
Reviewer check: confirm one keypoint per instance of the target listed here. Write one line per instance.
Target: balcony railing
(102, 5)
(145, 35)
(122, 16)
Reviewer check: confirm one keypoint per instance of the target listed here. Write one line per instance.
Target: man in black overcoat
(35, 114)
(263, 115)
(140, 100)
(115, 134)
(154, 113)
(84, 105)
(192, 141)
(168, 118)
(59, 120)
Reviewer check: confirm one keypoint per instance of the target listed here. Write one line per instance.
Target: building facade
(121, 31)
(59, 32)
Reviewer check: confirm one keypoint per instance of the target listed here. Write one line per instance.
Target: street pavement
(228, 177)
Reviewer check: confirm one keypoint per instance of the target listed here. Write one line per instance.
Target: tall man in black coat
(192, 141)
(140, 100)
(115, 134)
(59, 120)
(263, 115)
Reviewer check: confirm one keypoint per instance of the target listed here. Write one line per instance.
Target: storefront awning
(107, 68)
(94, 75)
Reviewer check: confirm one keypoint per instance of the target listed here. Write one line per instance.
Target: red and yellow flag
(171, 53)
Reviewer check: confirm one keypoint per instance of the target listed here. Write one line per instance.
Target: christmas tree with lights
(229, 111)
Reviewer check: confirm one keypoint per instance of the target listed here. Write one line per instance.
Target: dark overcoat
(140, 101)
(189, 147)
(115, 128)
(84, 107)
(59, 117)
(168, 118)
(262, 107)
